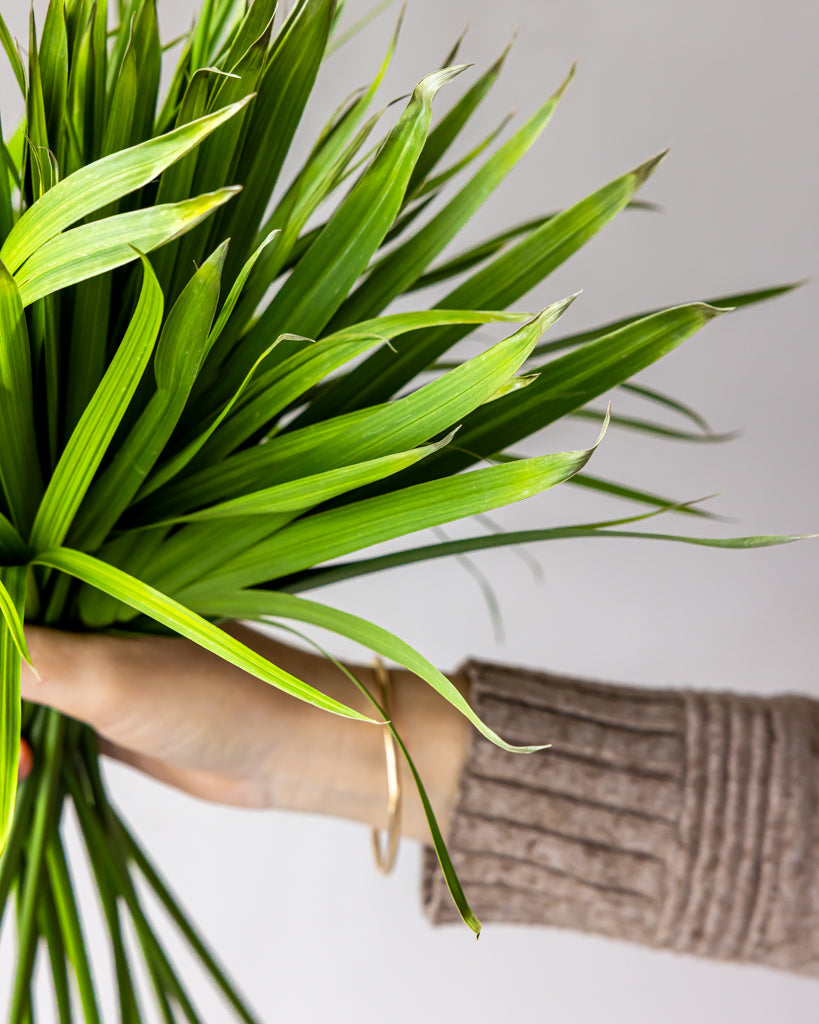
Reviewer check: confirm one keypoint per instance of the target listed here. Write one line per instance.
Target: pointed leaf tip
(499, 62)
(567, 81)
(644, 171)
(548, 316)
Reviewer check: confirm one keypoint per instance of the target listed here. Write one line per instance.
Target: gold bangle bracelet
(385, 859)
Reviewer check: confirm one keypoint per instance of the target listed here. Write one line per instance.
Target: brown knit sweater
(675, 819)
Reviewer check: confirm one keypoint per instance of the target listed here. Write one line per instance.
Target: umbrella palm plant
(206, 399)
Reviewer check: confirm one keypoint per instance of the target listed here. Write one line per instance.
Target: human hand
(186, 717)
(165, 706)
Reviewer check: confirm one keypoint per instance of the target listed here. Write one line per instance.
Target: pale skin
(191, 720)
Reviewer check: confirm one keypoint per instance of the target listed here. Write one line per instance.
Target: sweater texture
(682, 820)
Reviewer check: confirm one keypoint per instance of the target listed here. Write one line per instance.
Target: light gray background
(293, 903)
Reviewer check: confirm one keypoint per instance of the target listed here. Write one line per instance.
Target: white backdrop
(732, 86)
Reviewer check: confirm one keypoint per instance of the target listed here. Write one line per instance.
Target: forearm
(196, 722)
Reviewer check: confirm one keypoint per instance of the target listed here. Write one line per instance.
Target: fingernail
(26, 761)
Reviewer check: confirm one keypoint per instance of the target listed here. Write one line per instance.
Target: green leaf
(396, 272)
(724, 302)
(12, 547)
(322, 171)
(48, 924)
(171, 905)
(11, 609)
(54, 66)
(256, 21)
(432, 187)
(616, 490)
(569, 383)
(510, 275)
(439, 845)
(181, 620)
(106, 856)
(449, 128)
(651, 427)
(284, 88)
(19, 461)
(263, 604)
(364, 434)
(14, 57)
(476, 254)
(41, 157)
(97, 426)
(322, 577)
(181, 349)
(6, 208)
(41, 828)
(69, 918)
(12, 646)
(235, 293)
(93, 187)
(119, 131)
(341, 38)
(95, 248)
(323, 277)
(652, 395)
(176, 463)
(149, 64)
(312, 490)
(191, 553)
(282, 385)
(336, 532)
(217, 156)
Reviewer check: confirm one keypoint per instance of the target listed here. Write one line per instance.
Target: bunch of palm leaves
(204, 401)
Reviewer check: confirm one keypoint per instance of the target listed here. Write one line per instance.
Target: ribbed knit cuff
(675, 819)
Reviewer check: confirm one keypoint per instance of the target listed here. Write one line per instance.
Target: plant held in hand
(205, 399)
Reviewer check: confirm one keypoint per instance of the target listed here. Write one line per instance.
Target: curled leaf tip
(604, 428)
(710, 312)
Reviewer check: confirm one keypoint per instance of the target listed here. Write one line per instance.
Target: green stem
(10, 861)
(70, 924)
(128, 1005)
(50, 927)
(184, 925)
(162, 974)
(44, 820)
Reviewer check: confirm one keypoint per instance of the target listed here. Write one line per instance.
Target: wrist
(322, 763)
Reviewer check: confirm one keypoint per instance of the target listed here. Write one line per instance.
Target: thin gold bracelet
(385, 859)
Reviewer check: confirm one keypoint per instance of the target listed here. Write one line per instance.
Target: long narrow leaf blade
(363, 567)
(19, 459)
(95, 186)
(181, 620)
(366, 434)
(12, 643)
(85, 252)
(93, 434)
(497, 285)
(336, 532)
(261, 604)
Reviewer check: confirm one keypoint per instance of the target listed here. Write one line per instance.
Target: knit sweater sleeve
(675, 819)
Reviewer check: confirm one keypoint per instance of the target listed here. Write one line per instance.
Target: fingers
(72, 674)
